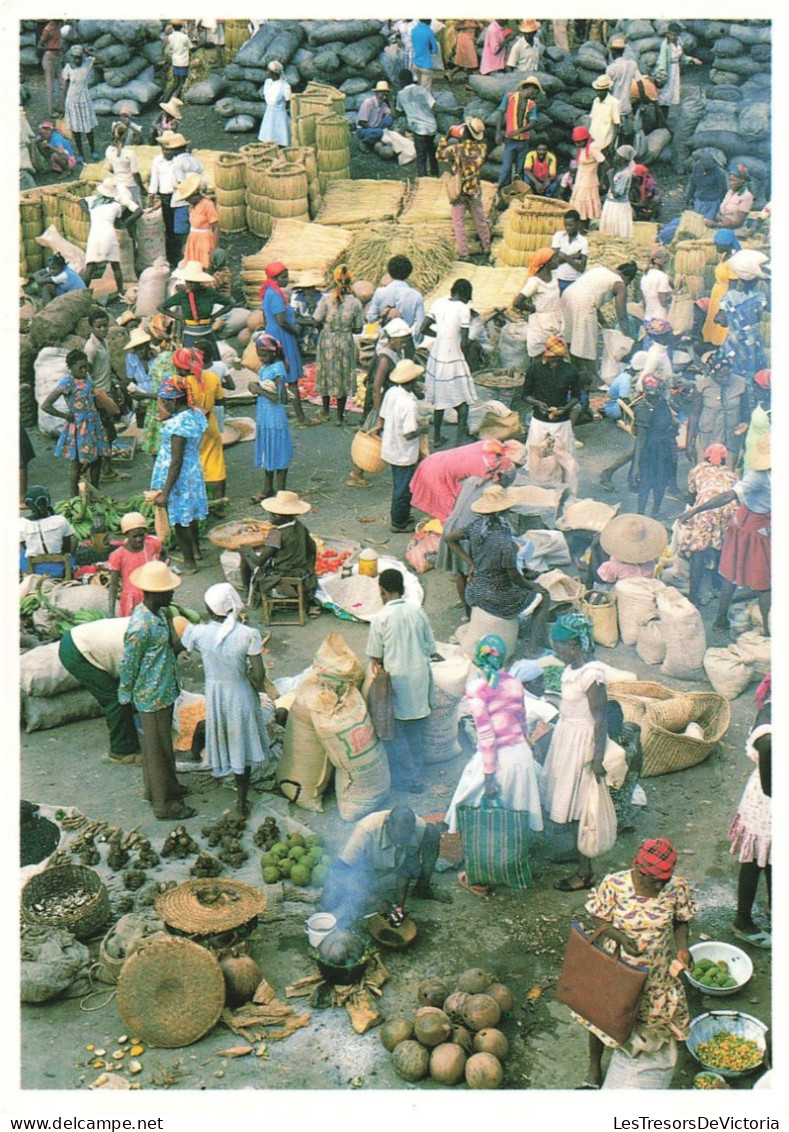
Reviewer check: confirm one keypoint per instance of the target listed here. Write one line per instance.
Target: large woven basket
(232, 218)
(230, 171)
(258, 149)
(332, 132)
(366, 452)
(232, 198)
(257, 167)
(170, 992)
(635, 696)
(84, 922)
(666, 751)
(207, 906)
(240, 532)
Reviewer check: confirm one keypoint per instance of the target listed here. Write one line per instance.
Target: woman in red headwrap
(646, 910)
(701, 539)
(281, 324)
(177, 474)
(207, 392)
(586, 193)
(540, 300)
(644, 194)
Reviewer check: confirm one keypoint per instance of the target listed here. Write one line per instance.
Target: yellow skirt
(212, 453)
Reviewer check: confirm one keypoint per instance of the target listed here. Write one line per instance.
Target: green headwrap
(489, 657)
(574, 625)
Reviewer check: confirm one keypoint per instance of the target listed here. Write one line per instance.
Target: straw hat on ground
(192, 272)
(476, 127)
(154, 578)
(191, 184)
(633, 539)
(586, 515)
(286, 503)
(138, 338)
(133, 521)
(602, 82)
(173, 108)
(494, 498)
(761, 459)
(406, 371)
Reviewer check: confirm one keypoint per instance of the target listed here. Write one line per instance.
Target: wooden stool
(272, 601)
(36, 559)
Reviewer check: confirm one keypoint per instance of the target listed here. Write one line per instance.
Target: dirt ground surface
(519, 936)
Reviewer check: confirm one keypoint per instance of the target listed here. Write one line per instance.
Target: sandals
(759, 938)
(352, 482)
(480, 890)
(182, 814)
(564, 885)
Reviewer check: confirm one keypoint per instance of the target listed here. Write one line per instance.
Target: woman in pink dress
(586, 193)
(138, 547)
(494, 50)
(439, 477)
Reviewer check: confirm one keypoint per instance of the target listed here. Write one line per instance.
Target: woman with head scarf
(726, 244)
(718, 410)
(177, 472)
(198, 305)
(280, 323)
(579, 738)
(656, 289)
(539, 298)
(646, 910)
(617, 215)
(276, 95)
(502, 767)
(644, 194)
(738, 202)
(236, 738)
(207, 392)
(120, 161)
(586, 192)
(273, 443)
(44, 533)
(741, 310)
(654, 465)
(701, 539)
(552, 388)
(340, 315)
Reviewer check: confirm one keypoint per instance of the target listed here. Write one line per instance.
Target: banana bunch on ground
(81, 513)
(29, 604)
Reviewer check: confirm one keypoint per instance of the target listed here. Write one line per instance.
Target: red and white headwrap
(656, 858)
(189, 359)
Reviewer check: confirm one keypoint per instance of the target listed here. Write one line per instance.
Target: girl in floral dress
(82, 441)
(646, 910)
(177, 473)
(701, 539)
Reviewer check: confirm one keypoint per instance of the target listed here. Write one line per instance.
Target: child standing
(82, 441)
(138, 547)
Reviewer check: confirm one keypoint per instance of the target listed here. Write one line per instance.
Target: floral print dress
(188, 499)
(83, 438)
(706, 531)
(160, 368)
(336, 356)
(649, 921)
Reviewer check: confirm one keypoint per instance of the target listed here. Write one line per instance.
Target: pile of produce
(453, 1037)
(297, 859)
(713, 973)
(726, 1051)
(708, 1081)
(330, 561)
(179, 844)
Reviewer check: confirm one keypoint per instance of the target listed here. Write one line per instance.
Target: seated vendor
(44, 533)
(289, 551)
(56, 279)
(389, 853)
(633, 544)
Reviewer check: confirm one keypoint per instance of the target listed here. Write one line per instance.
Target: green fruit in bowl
(297, 852)
(286, 866)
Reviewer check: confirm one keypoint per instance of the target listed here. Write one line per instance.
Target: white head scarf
(223, 600)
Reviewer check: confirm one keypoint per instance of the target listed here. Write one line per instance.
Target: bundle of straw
(495, 288)
(691, 227)
(349, 203)
(301, 246)
(430, 251)
(426, 201)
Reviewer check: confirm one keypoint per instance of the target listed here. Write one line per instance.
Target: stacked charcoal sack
(128, 61)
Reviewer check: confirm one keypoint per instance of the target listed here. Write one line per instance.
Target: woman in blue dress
(177, 472)
(276, 95)
(235, 737)
(273, 444)
(281, 324)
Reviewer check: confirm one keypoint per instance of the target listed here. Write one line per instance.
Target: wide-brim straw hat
(191, 184)
(133, 521)
(494, 498)
(633, 539)
(586, 515)
(530, 80)
(602, 82)
(383, 85)
(138, 338)
(172, 141)
(108, 188)
(406, 371)
(529, 26)
(286, 503)
(476, 127)
(173, 108)
(617, 41)
(761, 456)
(192, 272)
(154, 578)
(309, 278)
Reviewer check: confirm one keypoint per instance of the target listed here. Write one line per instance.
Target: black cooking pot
(341, 959)
(342, 976)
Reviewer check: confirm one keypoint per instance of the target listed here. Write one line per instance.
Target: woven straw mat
(207, 905)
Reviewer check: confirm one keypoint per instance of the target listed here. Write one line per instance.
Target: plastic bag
(597, 827)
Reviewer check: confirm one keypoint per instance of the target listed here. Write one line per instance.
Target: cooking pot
(342, 976)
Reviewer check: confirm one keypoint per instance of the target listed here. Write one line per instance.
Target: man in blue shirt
(425, 46)
(416, 104)
(398, 298)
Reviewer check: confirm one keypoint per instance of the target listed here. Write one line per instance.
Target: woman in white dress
(540, 299)
(448, 383)
(276, 94)
(78, 108)
(105, 208)
(581, 302)
(236, 737)
(121, 162)
(578, 744)
(617, 216)
(670, 58)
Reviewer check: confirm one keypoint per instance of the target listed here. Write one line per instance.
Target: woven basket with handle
(366, 452)
(666, 751)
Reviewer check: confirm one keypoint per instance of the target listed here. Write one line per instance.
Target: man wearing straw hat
(516, 111)
(195, 303)
(526, 51)
(604, 123)
(168, 122)
(289, 550)
(161, 186)
(400, 439)
(148, 679)
(375, 116)
(138, 354)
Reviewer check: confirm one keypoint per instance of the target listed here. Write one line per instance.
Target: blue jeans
(372, 134)
(407, 753)
(400, 512)
(512, 161)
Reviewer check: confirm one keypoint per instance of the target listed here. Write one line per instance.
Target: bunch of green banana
(137, 503)
(66, 620)
(28, 605)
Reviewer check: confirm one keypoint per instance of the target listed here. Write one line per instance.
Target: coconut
(453, 1005)
(462, 1037)
(491, 1041)
(474, 981)
(448, 1064)
(480, 1012)
(502, 995)
(242, 978)
(431, 1026)
(483, 1071)
(394, 1031)
(432, 994)
(411, 1060)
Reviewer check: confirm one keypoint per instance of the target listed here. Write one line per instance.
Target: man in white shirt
(184, 163)
(177, 46)
(656, 289)
(526, 51)
(161, 187)
(572, 250)
(92, 654)
(400, 440)
(622, 72)
(604, 122)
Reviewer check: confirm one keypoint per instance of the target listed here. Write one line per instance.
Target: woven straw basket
(634, 697)
(332, 132)
(253, 150)
(232, 218)
(600, 607)
(230, 171)
(666, 751)
(304, 127)
(84, 922)
(366, 452)
(231, 198)
(257, 167)
(170, 992)
(206, 906)
(259, 223)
